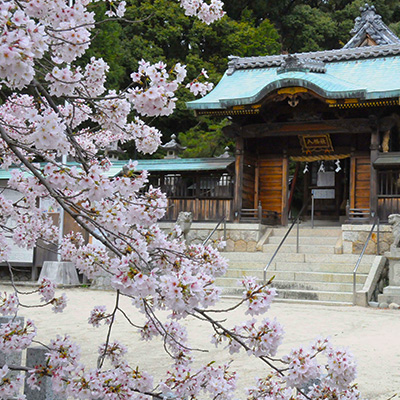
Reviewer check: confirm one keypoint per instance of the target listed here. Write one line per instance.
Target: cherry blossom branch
(53, 193)
(101, 358)
(163, 332)
(70, 135)
(128, 319)
(238, 340)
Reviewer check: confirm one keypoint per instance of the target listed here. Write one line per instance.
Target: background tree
(163, 33)
(309, 25)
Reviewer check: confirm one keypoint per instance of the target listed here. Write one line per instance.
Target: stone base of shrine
(391, 294)
(242, 237)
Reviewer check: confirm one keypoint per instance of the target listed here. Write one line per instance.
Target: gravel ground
(373, 336)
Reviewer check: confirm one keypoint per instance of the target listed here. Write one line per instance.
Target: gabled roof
(369, 26)
(365, 74)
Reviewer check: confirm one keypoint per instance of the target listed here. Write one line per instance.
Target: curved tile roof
(365, 73)
(362, 78)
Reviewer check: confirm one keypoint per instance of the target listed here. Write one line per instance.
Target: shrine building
(324, 123)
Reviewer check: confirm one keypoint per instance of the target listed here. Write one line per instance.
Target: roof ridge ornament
(293, 63)
(370, 30)
(232, 64)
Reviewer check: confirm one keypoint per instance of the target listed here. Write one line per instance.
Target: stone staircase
(316, 273)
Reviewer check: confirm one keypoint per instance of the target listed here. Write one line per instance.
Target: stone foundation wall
(355, 236)
(239, 237)
(244, 237)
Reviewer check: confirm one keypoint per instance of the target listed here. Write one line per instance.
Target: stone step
(227, 282)
(317, 277)
(316, 232)
(326, 296)
(297, 276)
(263, 258)
(305, 248)
(260, 257)
(316, 286)
(238, 293)
(300, 296)
(339, 258)
(305, 240)
(343, 268)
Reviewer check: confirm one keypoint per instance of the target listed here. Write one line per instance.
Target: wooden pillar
(238, 191)
(256, 185)
(352, 185)
(293, 186)
(285, 186)
(374, 148)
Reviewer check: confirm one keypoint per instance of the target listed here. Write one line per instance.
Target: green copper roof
(114, 170)
(161, 165)
(185, 164)
(365, 79)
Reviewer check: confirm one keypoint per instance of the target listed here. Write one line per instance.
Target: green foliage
(309, 25)
(107, 44)
(161, 31)
(309, 28)
(205, 139)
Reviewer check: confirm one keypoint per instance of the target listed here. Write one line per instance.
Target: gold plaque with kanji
(312, 144)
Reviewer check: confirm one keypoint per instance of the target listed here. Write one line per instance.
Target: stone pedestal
(36, 356)
(102, 282)
(391, 293)
(13, 357)
(60, 272)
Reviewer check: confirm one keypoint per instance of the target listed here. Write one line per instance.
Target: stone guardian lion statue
(184, 221)
(394, 220)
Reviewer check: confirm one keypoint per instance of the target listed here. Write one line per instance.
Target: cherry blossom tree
(53, 108)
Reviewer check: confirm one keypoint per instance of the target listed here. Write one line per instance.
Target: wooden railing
(360, 215)
(388, 193)
(259, 215)
(201, 209)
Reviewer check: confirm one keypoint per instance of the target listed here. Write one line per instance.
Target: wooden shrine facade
(269, 163)
(207, 195)
(325, 124)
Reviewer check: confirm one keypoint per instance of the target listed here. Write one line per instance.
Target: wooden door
(249, 192)
(273, 176)
(360, 174)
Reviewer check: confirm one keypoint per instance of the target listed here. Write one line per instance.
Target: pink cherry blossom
(10, 385)
(201, 88)
(47, 289)
(15, 336)
(9, 304)
(303, 367)
(341, 368)
(99, 314)
(258, 298)
(207, 13)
